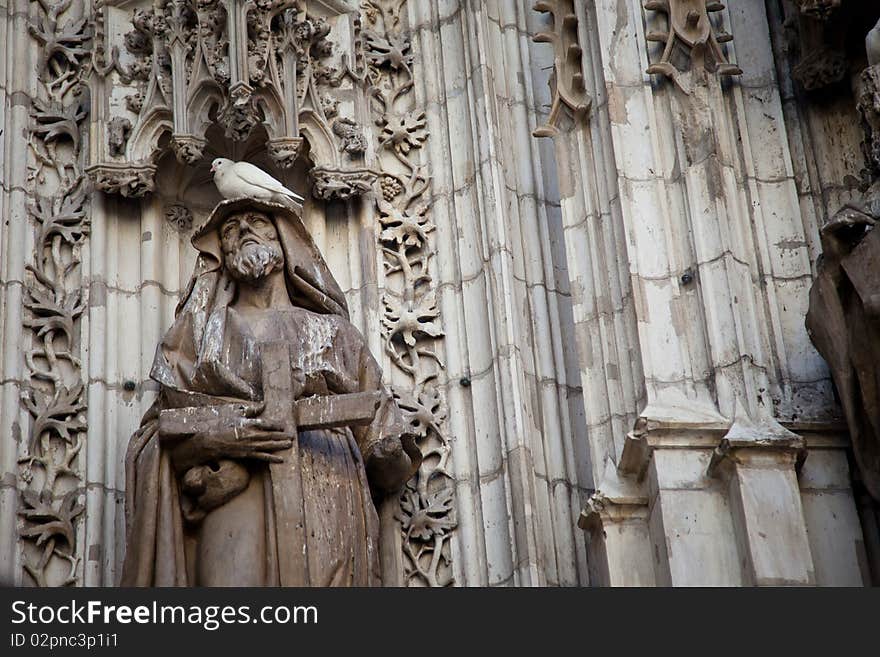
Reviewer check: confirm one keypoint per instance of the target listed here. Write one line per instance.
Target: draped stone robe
(171, 539)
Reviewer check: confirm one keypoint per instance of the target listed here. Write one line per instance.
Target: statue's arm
(200, 428)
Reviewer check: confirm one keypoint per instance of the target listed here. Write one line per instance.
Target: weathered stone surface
(270, 489)
(610, 320)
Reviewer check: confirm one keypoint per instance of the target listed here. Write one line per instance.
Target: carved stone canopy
(168, 70)
(827, 39)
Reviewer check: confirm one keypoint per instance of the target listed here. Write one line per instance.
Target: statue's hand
(388, 465)
(241, 438)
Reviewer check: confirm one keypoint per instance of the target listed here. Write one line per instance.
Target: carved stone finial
(567, 83)
(690, 35)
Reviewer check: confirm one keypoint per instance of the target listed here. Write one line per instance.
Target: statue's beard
(253, 262)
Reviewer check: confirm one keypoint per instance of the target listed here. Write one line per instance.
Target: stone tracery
(187, 64)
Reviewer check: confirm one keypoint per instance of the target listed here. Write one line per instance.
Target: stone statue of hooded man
(271, 432)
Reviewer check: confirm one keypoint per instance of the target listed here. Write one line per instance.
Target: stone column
(519, 455)
(17, 87)
(620, 542)
(718, 255)
(757, 462)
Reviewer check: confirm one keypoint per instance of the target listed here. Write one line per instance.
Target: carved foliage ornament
(54, 395)
(690, 38)
(411, 321)
(189, 64)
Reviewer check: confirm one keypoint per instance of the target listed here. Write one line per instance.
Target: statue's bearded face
(250, 244)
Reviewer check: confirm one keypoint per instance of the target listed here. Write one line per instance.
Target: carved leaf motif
(65, 217)
(405, 228)
(406, 319)
(392, 50)
(61, 413)
(53, 122)
(65, 42)
(405, 131)
(45, 522)
(424, 519)
(53, 296)
(411, 319)
(423, 414)
(49, 315)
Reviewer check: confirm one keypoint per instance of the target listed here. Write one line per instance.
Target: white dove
(244, 180)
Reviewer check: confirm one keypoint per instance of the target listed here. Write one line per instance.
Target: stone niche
(180, 82)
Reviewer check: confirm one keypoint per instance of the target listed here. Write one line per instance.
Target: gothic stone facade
(579, 235)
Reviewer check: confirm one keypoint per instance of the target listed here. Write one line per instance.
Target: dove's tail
(288, 201)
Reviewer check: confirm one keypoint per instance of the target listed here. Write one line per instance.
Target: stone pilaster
(620, 546)
(719, 262)
(520, 451)
(757, 462)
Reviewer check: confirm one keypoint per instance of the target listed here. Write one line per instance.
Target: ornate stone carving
(328, 184)
(411, 322)
(290, 360)
(821, 67)
(188, 149)
(54, 394)
(284, 151)
(353, 140)
(567, 82)
(690, 40)
(118, 131)
(129, 180)
(238, 63)
(179, 216)
(818, 43)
